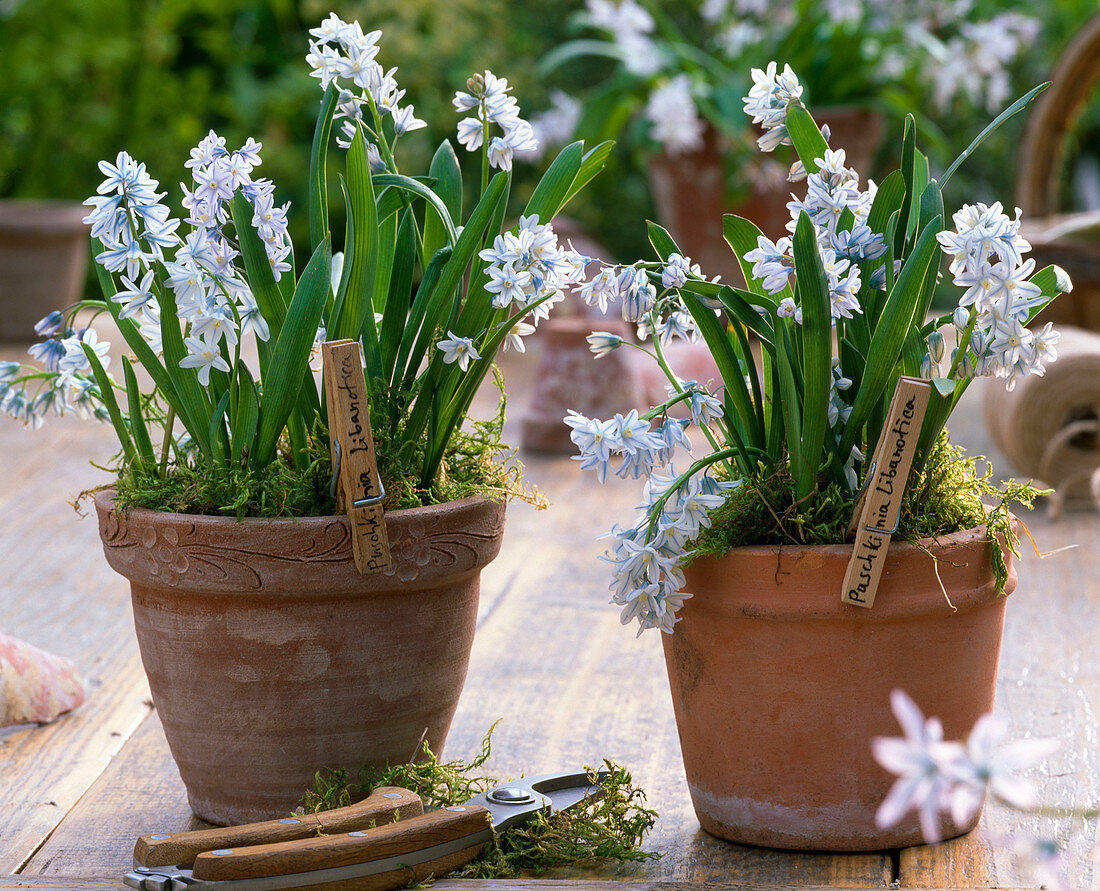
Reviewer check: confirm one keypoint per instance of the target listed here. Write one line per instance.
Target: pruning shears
(385, 841)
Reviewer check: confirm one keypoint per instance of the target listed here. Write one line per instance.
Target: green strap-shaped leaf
(448, 186)
(888, 198)
(414, 187)
(354, 304)
(107, 392)
(551, 192)
(185, 382)
(890, 333)
(592, 163)
(218, 437)
(908, 160)
(424, 292)
(383, 267)
(663, 243)
(916, 195)
(790, 405)
(1051, 281)
(1014, 109)
(143, 446)
(941, 401)
(733, 377)
(738, 304)
(397, 302)
(318, 185)
(261, 280)
(247, 415)
(817, 333)
(291, 353)
(743, 235)
(806, 136)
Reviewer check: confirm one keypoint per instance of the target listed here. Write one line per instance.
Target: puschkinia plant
(185, 293)
(940, 778)
(839, 309)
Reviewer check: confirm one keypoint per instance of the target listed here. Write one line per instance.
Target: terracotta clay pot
(43, 261)
(570, 377)
(269, 656)
(779, 688)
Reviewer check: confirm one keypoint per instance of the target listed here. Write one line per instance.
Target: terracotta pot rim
(975, 534)
(140, 513)
(910, 586)
(224, 556)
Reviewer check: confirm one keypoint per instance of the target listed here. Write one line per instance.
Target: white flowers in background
(675, 120)
(555, 126)
(767, 102)
(340, 52)
(986, 252)
(949, 778)
(488, 97)
(975, 61)
(629, 25)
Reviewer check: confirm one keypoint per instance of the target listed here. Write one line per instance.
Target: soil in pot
(779, 688)
(270, 657)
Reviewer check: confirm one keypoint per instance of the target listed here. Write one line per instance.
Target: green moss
(954, 492)
(610, 826)
(477, 463)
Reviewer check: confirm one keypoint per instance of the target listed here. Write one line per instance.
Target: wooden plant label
(358, 487)
(875, 518)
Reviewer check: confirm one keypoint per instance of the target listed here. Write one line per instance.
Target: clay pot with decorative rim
(269, 656)
(779, 688)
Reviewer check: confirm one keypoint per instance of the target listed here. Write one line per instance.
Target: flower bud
(936, 346)
(961, 318)
(50, 325)
(927, 366)
(603, 342)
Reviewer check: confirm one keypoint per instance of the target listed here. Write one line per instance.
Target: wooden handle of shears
(465, 830)
(384, 805)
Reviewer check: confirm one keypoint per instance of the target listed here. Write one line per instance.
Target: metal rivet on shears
(511, 795)
(357, 834)
(457, 809)
(221, 852)
(391, 795)
(160, 835)
(290, 821)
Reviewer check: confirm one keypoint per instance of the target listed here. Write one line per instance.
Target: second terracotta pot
(270, 657)
(779, 688)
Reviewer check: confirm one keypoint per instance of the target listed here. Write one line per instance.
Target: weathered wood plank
(57, 593)
(1049, 686)
(38, 883)
(141, 792)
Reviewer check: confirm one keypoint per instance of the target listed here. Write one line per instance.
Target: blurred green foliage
(82, 81)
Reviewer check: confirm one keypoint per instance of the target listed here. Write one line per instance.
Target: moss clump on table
(477, 463)
(610, 826)
(951, 494)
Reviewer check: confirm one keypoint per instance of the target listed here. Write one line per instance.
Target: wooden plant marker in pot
(357, 486)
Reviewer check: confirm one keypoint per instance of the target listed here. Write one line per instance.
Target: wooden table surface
(550, 658)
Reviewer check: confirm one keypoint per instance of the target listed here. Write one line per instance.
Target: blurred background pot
(270, 657)
(689, 189)
(43, 262)
(779, 688)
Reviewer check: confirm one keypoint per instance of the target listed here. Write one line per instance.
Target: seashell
(35, 686)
